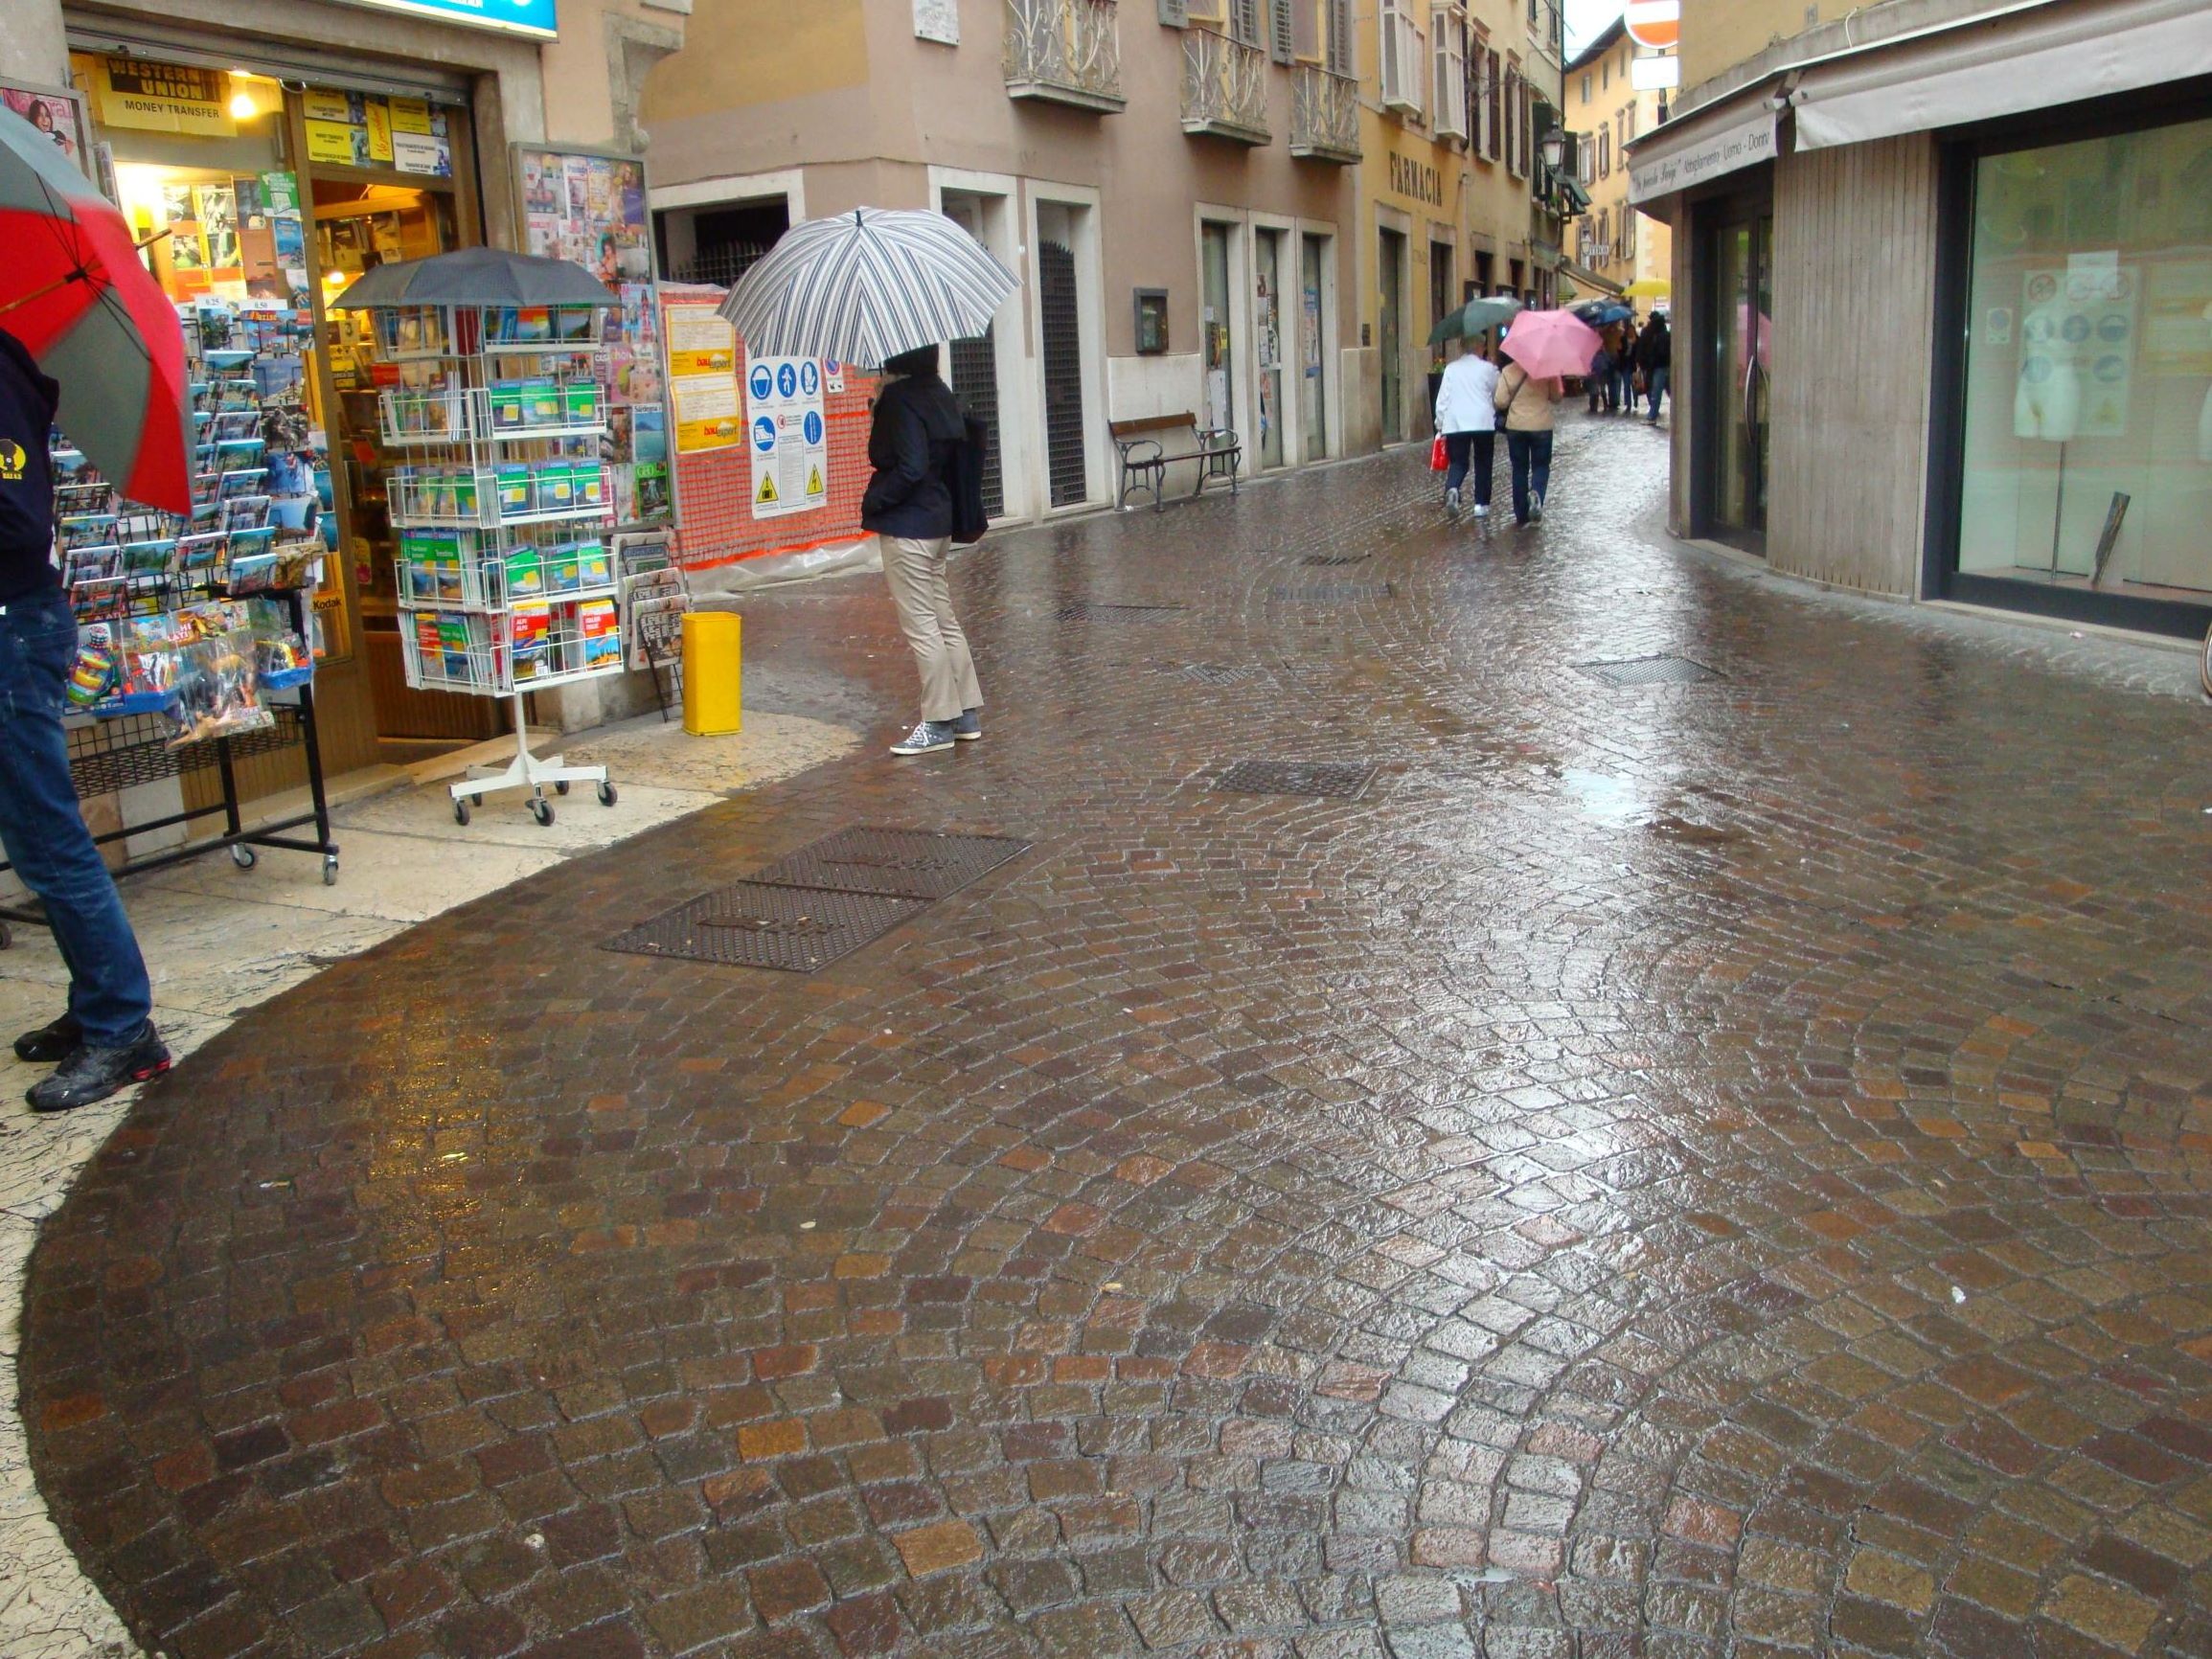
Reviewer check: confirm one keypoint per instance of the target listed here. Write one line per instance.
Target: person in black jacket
(917, 432)
(1654, 358)
(106, 1041)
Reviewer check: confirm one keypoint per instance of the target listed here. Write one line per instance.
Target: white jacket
(1463, 403)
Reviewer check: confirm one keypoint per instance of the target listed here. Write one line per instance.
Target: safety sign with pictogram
(790, 436)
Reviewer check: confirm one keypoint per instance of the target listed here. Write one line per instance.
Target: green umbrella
(1474, 317)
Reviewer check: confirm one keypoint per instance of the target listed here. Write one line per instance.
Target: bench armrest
(1212, 438)
(1128, 447)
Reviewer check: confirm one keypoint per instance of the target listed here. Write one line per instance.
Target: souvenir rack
(505, 580)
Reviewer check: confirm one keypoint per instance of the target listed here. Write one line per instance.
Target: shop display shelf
(457, 415)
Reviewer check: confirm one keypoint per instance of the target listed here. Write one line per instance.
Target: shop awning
(1585, 278)
(1701, 147)
(2008, 65)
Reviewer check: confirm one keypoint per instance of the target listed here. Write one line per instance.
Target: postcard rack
(502, 511)
(113, 752)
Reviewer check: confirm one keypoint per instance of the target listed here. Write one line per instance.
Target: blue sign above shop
(534, 17)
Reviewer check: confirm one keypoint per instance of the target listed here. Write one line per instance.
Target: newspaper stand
(501, 514)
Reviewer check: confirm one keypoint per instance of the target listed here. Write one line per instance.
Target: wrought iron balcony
(1325, 117)
(1225, 88)
(1064, 52)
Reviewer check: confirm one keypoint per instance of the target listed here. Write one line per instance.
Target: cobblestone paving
(1685, 1171)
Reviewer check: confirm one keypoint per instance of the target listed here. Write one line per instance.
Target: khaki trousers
(916, 573)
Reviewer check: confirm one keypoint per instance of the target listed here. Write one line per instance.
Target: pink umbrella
(1549, 343)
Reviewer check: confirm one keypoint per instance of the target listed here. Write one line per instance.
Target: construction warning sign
(790, 437)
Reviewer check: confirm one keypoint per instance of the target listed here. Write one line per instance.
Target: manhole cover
(1336, 592)
(1087, 610)
(907, 863)
(1332, 558)
(749, 924)
(1343, 780)
(1660, 671)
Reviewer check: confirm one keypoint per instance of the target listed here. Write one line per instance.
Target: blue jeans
(43, 830)
(1622, 394)
(1656, 381)
(1530, 455)
(1471, 451)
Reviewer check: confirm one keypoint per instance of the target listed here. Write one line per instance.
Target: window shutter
(1245, 22)
(1174, 14)
(1282, 31)
(1496, 111)
(1342, 57)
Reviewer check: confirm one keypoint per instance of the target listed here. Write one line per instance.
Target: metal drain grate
(1088, 610)
(1331, 558)
(905, 863)
(1659, 671)
(1336, 592)
(749, 924)
(1338, 780)
(1214, 673)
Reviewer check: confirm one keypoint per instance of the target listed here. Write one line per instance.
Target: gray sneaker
(969, 727)
(926, 739)
(1451, 500)
(1536, 510)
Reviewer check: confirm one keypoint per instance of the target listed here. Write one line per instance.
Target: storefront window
(2088, 410)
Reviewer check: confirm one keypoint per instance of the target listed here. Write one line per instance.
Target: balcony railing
(1325, 117)
(1064, 52)
(1225, 88)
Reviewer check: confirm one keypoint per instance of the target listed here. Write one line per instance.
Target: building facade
(285, 146)
(1173, 183)
(1455, 198)
(1943, 301)
(1606, 113)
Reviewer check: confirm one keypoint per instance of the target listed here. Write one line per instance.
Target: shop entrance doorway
(1730, 428)
(1059, 311)
(1390, 331)
(360, 223)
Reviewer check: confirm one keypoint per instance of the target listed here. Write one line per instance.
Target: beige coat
(1527, 404)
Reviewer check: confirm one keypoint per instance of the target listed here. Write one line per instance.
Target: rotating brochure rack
(507, 583)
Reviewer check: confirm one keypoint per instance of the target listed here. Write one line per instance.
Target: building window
(2088, 446)
(1342, 55)
(1585, 86)
(1630, 115)
(1606, 71)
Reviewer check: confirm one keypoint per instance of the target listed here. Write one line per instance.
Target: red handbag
(1438, 460)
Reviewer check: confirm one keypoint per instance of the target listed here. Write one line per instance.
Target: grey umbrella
(476, 277)
(1471, 318)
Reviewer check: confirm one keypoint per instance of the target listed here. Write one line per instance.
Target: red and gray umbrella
(74, 292)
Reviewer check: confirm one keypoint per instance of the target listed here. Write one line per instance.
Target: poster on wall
(790, 437)
(702, 357)
(153, 97)
(586, 208)
(58, 115)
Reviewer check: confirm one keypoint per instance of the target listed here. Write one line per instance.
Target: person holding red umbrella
(75, 303)
(106, 1039)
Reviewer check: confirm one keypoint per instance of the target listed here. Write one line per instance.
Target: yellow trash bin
(712, 699)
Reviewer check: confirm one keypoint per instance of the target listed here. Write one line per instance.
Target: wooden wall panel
(1854, 307)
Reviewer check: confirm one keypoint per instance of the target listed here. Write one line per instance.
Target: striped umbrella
(867, 286)
(74, 292)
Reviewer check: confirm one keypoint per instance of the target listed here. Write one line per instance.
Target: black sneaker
(51, 1045)
(92, 1073)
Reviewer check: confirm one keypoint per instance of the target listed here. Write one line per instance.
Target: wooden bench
(1146, 457)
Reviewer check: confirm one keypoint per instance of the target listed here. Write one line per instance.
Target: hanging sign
(535, 17)
(790, 440)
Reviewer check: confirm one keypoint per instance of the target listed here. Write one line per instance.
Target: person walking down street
(1526, 403)
(1600, 375)
(916, 434)
(1621, 396)
(1656, 357)
(105, 1040)
(1466, 416)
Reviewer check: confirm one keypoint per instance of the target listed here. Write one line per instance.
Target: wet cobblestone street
(1680, 1169)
